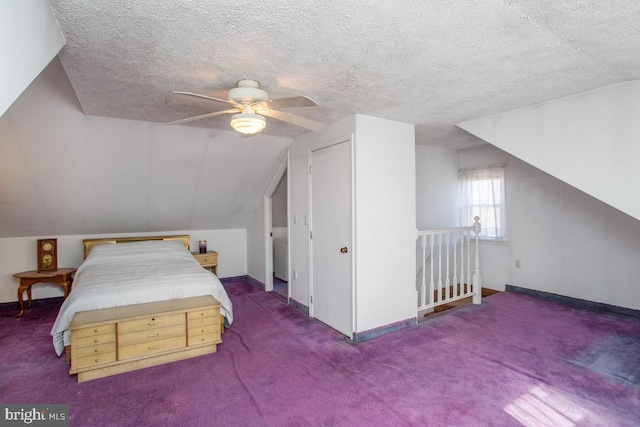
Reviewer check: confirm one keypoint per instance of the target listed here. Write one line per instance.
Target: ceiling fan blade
(197, 95)
(293, 119)
(204, 116)
(295, 101)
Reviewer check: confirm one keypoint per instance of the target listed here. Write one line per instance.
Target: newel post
(477, 279)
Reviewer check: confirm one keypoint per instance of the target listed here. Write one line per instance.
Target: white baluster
(456, 286)
(462, 238)
(477, 279)
(431, 285)
(468, 262)
(447, 289)
(441, 297)
(423, 284)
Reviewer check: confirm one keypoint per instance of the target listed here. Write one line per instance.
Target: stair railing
(446, 273)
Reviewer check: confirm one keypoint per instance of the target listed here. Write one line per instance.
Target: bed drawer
(97, 330)
(150, 335)
(95, 340)
(150, 323)
(202, 322)
(99, 359)
(201, 314)
(206, 329)
(211, 337)
(95, 350)
(143, 349)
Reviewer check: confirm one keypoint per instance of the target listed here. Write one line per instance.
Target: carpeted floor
(280, 287)
(514, 360)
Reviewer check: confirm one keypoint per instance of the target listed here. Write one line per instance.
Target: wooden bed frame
(90, 243)
(120, 339)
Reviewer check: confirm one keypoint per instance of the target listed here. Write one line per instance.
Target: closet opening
(279, 233)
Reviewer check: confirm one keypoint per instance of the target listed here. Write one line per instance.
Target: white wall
(19, 254)
(298, 202)
(29, 40)
(589, 140)
(279, 204)
(568, 242)
(255, 245)
(385, 222)
(385, 191)
(279, 232)
(437, 191)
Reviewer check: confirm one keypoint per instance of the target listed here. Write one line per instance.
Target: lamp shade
(248, 123)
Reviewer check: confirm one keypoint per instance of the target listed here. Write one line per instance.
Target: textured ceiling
(430, 63)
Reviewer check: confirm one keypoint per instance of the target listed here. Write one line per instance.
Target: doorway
(279, 234)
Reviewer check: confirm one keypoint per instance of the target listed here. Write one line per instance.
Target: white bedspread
(113, 275)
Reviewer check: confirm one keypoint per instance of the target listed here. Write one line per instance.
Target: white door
(331, 285)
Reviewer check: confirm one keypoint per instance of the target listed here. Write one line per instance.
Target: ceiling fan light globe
(248, 123)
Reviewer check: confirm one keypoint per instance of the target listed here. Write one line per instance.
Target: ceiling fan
(250, 106)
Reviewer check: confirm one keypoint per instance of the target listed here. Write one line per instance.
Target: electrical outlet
(517, 263)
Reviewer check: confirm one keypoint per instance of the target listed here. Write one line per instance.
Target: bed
(134, 279)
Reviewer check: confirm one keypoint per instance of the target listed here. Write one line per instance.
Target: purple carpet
(514, 360)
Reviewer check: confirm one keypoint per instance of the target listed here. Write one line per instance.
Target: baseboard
(383, 330)
(256, 282)
(299, 306)
(576, 302)
(234, 279)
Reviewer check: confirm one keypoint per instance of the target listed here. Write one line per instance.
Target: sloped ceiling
(65, 173)
(432, 64)
(597, 131)
(29, 39)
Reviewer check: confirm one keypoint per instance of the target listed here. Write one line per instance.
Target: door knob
(344, 250)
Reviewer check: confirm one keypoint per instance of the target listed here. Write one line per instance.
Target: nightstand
(208, 260)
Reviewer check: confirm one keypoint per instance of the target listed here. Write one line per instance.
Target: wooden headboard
(90, 243)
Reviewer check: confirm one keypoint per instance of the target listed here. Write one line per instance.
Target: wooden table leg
(21, 290)
(29, 296)
(66, 285)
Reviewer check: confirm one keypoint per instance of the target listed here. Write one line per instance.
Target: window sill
(493, 241)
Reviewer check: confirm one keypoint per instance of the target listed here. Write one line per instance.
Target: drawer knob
(95, 330)
(96, 360)
(153, 335)
(96, 350)
(153, 347)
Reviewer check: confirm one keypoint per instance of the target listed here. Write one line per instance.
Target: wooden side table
(208, 260)
(61, 277)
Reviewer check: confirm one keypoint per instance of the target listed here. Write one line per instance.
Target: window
(482, 192)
